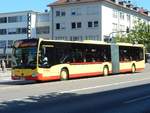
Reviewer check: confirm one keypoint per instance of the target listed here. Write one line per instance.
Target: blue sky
(41, 5)
(22, 5)
(142, 3)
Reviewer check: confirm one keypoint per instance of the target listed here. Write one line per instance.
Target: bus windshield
(24, 57)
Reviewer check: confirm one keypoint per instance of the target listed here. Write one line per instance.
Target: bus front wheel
(64, 74)
(105, 71)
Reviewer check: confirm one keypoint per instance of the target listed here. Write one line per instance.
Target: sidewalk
(7, 72)
(5, 76)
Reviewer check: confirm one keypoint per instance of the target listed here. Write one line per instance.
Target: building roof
(16, 12)
(66, 2)
(63, 2)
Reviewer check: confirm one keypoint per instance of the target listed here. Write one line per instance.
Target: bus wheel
(105, 71)
(64, 74)
(133, 69)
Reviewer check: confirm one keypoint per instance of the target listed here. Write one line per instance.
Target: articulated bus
(44, 60)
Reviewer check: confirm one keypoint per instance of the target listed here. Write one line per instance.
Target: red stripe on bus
(125, 70)
(139, 69)
(129, 70)
(38, 77)
(43, 78)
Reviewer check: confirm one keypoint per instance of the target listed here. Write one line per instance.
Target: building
(93, 19)
(21, 25)
(73, 20)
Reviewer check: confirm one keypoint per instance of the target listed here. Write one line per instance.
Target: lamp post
(111, 38)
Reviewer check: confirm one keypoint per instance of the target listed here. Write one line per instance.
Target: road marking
(137, 99)
(76, 90)
(102, 86)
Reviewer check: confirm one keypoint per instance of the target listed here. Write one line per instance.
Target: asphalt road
(123, 93)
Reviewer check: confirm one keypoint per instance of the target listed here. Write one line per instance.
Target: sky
(41, 5)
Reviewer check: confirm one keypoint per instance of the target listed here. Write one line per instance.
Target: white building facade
(21, 25)
(93, 19)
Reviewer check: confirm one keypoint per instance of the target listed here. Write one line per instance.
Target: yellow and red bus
(44, 60)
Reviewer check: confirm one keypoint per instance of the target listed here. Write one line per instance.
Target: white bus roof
(95, 42)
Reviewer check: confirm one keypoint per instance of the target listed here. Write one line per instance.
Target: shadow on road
(114, 101)
(18, 82)
(28, 82)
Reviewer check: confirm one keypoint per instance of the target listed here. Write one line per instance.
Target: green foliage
(140, 34)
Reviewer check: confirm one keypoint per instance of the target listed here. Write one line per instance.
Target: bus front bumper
(38, 77)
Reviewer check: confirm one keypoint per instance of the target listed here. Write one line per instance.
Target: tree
(140, 34)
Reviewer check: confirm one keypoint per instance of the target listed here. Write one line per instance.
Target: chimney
(113, 0)
(147, 12)
(129, 4)
(141, 10)
(136, 8)
(123, 3)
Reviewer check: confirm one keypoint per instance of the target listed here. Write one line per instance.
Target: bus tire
(105, 71)
(133, 68)
(64, 74)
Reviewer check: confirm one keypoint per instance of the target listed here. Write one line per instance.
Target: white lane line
(102, 86)
(137, 99)
(75, 90)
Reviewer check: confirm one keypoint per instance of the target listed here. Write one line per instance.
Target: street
(121, 93)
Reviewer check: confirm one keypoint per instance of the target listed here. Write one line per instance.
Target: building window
(63, 13)
(12, 31)
(17, 31)
(73, 25)
(121, 15)
(75, 12)
(23, 31)
(60, 26)
(76, 38)
(92, 24)
(43, 18)
(61, 38)
(95, 23)
(115, 13)
(92, 37)
(114, 27)
(3, 20)
(122, 27)
(57, 26)
(2, 43)
(17, 19)
(10, 43)
(57, 13)
(42, 30)
(128, 17)
(79, 25)
(3, 31)
(60, 13)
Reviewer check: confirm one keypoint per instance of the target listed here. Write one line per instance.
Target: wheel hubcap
(105, 71)
(64, 75)
(133, 69)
